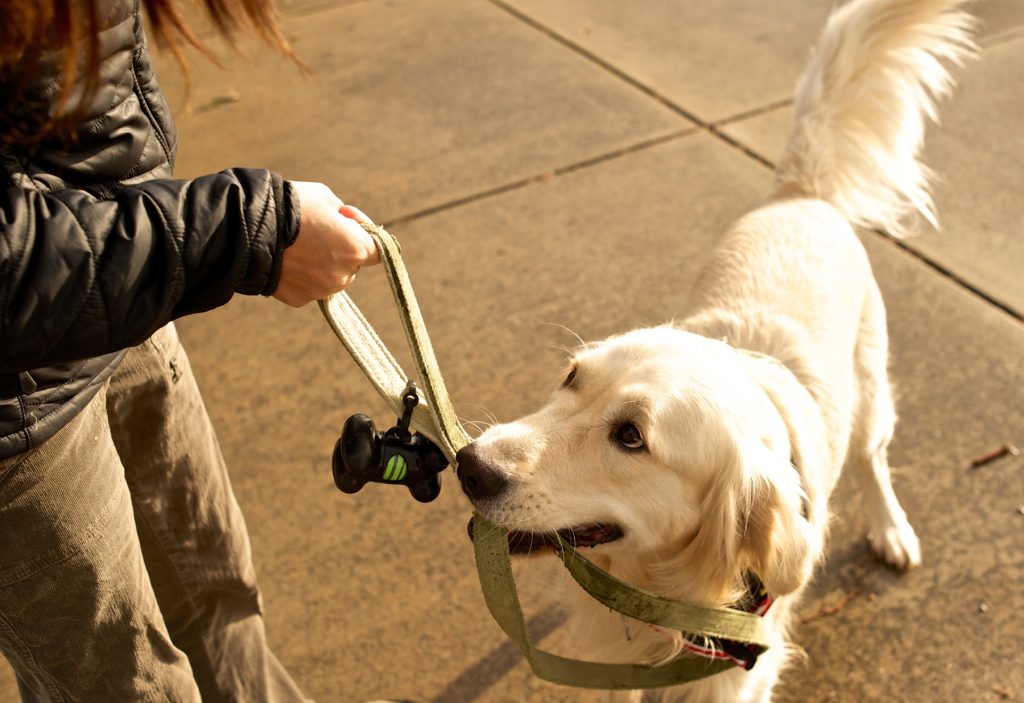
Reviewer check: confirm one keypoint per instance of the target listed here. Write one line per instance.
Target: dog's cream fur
(750, 406)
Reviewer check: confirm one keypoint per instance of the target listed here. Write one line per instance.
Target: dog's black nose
(480, 480)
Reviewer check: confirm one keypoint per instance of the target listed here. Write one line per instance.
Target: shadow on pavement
(475, 680)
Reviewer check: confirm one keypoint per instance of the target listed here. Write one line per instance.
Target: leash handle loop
(436, 418)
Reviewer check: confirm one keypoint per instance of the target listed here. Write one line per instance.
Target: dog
(697, 457)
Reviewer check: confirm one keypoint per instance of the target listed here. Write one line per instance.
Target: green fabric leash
(494, 567)
(436, 419)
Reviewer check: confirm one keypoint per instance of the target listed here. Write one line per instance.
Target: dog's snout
(480, 479)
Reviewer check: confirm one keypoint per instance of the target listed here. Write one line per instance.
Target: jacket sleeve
(82, 276)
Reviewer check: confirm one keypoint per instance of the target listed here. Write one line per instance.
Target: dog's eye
(629, 436)
(570, 378)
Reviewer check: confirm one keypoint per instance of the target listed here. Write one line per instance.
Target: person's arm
(82, 276)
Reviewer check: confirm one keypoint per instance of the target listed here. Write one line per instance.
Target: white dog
(697, 455)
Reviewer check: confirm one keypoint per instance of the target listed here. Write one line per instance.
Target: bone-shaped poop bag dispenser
(398, 456)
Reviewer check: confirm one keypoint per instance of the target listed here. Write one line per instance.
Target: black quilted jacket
(99, 248)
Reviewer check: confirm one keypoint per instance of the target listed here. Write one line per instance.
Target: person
(125, 566)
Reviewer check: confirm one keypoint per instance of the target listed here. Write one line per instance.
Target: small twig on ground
(989, 457)
(1004, 694)
(829, 610)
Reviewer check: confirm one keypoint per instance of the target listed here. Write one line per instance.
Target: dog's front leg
(625, 696)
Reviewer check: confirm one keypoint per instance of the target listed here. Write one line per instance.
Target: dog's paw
(898, 545)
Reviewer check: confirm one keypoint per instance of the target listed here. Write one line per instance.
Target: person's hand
(329, 250)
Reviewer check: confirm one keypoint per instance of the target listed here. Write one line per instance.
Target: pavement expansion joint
(753, 112)
(736, 144)
(948, 274)
(545, 176)
(601, 63)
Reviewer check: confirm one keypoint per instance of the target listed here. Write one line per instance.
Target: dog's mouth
(520, 542)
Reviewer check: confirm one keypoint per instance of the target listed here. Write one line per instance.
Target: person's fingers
(364, 242)
(354, 213)
(373, 256)
(343, 283)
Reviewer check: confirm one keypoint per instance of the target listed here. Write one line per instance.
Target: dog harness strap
(436, 419)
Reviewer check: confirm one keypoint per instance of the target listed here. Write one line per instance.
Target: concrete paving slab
(999, 19)
(714, 59)
(291, 8)
(199, 20)
(412, 104)
(976, 152)
(765, 134)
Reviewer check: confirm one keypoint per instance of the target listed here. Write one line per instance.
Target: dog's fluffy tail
(861, 105)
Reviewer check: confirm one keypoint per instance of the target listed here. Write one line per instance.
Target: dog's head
(661, 449)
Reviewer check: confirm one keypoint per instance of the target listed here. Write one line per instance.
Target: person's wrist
(289, 219)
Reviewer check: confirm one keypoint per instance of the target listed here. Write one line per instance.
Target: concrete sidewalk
(571, 162)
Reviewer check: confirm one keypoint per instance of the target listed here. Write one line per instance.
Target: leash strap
(499, 587)
(722, 623)
(436, 419)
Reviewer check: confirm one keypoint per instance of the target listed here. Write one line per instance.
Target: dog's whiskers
(578, 338)
(481, 426)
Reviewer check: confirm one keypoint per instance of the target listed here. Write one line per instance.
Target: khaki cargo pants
(125, 568)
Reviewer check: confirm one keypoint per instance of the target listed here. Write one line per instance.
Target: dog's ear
(784, 507)
(778, 542)
(751, 521)
(711, 560)
(757, 514)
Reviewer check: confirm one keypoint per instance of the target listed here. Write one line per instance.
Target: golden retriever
(698, 456)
